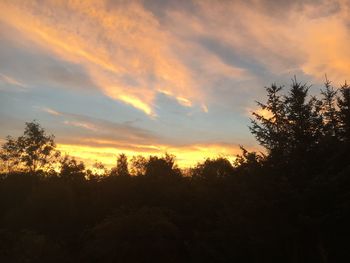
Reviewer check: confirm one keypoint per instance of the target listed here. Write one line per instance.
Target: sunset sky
(155, 76)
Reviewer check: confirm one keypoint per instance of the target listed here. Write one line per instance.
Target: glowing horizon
(189, 156)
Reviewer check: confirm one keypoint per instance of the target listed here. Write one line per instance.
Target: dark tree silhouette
(304, 122)
(138, 165)
(34, 150)
(161, 166)
(213, 169)
(71, 169)
(290, 204)
(271, 129)
(329, 111)
(122, 166)
(344, 111)
(10, 155)
(291, 126)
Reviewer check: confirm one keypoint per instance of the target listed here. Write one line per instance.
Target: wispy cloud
(102, 132)
(84, 125)
(12, 81)
(49, 111)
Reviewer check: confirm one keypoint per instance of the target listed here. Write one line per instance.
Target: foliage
(70, 169)
(33, 151)
(122, 166)
(161, 166)
(213, 168)
(344, 112)
(290, 204)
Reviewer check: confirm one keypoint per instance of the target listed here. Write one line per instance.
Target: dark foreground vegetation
(290, 205)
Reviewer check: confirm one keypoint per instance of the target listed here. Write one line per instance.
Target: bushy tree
(97, 172)
(122, 166)
(10, 155)
(71, 169)
(33, 151)
(213, 169)
(261, 209)
(138, 165)
(161, 166)
(248, 162)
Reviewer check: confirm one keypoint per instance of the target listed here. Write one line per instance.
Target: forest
(290, 203)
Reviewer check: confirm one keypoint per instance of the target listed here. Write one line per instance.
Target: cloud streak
(11, 81)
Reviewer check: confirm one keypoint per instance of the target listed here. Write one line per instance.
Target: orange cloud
(262, 112)
(128, 54)
(122, 50)
(310, 36)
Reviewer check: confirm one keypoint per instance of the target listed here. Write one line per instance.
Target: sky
(153, 76)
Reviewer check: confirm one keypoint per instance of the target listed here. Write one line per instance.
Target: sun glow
(186, 156)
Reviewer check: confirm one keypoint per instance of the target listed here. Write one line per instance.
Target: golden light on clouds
(131, 56)
(121, 50)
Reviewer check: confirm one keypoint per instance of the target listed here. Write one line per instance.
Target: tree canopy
(33, 151)
(288, 204)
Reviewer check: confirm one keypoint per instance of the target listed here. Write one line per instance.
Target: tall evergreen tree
(270, 124)
(329, 111)
(303, 119)
(344, 111)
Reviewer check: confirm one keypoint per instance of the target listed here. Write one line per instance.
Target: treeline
(290, 204)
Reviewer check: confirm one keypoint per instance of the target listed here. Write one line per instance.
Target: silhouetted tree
(34, 150)
(304, 121)
(248, 162)
(138, 165)
(291, 125)
(344, 111)
(213, 169)
(70, 169)
(270, 126)
(122, 166)
(290, 204)
(97, 172)
(329, 111)
(161, 166)
(10, 155)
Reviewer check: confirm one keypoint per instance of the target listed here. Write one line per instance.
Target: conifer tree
(344, 112)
